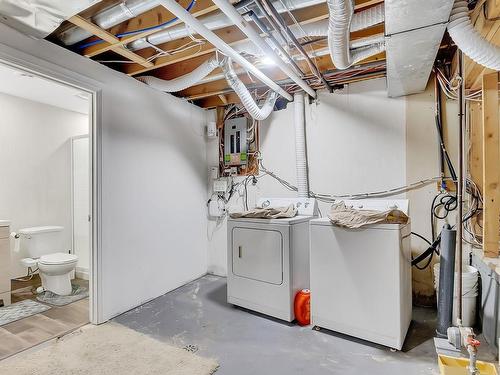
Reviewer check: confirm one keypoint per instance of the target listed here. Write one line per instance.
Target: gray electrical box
(235, 141)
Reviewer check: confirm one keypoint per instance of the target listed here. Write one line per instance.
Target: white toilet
(44, 246)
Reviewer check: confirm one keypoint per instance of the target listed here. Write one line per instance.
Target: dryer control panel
(305, 206)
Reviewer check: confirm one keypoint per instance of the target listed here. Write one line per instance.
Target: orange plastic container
(302, 307)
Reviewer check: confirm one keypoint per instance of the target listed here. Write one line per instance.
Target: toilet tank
(38, 241)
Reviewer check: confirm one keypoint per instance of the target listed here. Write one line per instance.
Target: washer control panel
(305, 206)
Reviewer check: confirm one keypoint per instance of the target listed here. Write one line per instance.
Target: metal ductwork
(39, 18)
(414, 30)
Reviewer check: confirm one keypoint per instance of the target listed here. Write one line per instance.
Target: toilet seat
(57, 259)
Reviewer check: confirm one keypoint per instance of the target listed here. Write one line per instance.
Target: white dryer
(361, 278)
(268, 259)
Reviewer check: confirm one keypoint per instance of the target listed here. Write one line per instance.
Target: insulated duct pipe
(245, 96)
(469, 41)
(300, 144)
(341, 16)
(185, 81)
(217, 42)
(215, 21)
(109, 18)
(254, 36)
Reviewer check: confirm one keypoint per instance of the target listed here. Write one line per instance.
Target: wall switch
(212, 129)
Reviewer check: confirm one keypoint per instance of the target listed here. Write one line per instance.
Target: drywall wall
(355, 143)
(35, 164)
(153, 178)
(80, 173)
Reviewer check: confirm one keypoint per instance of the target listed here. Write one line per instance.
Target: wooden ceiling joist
(110, 38)
(148, 19)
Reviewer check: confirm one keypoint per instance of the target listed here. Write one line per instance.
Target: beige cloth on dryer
(267, 213)
(348, 217)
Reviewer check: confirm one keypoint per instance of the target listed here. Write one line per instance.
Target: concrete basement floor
(197, 317)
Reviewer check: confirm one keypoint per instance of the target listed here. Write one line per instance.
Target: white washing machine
(268, 259)
(361, 278)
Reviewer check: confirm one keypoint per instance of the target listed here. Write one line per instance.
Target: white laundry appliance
(361, 278)
(268, 259)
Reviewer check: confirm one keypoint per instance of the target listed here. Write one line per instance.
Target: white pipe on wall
(217, 42)
(254, 37)
(300, 144)
(469, 41)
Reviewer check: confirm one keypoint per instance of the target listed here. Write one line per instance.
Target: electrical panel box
(235, 141)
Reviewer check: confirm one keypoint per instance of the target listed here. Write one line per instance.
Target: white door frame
(20, 60)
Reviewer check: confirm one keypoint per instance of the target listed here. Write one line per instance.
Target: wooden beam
(223, 99)
(234, 36)
(110, 38)
(491, 170)
(476, 144)
(148, 19)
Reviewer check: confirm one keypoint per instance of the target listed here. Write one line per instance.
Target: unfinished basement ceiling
(175, 50)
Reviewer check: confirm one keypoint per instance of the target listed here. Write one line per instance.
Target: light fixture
(268, 61)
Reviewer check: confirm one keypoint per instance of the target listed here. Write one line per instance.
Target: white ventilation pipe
(218, 43)
(300, 144)
(109, 18)
(229, 10)
(185, 81)
(341, 16)
(469, 41)
(215, 21)
(132, 8)
(245, 96)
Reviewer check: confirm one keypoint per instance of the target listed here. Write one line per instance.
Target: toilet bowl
(56, 271)
(43, 245)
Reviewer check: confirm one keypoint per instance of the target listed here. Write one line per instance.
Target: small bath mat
(20, 310)
(78, 293)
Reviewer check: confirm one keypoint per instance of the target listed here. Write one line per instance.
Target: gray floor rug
(108, 349)
(20, 310)
(78, 293)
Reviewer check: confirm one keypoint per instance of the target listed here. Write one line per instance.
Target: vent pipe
(469, 41)
(217, 42)
(185, 81)
(245, 96)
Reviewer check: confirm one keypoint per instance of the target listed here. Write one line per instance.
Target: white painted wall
(355, 143)
(80, 173)
(153, 167)
(35, 165)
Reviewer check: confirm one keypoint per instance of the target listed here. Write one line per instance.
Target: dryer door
(258, 254)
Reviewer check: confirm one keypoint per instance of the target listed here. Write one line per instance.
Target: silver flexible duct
(245, 96)
(185, 81)
(469, 41)
(341, 16)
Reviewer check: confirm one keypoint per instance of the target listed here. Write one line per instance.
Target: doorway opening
(46, 206)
